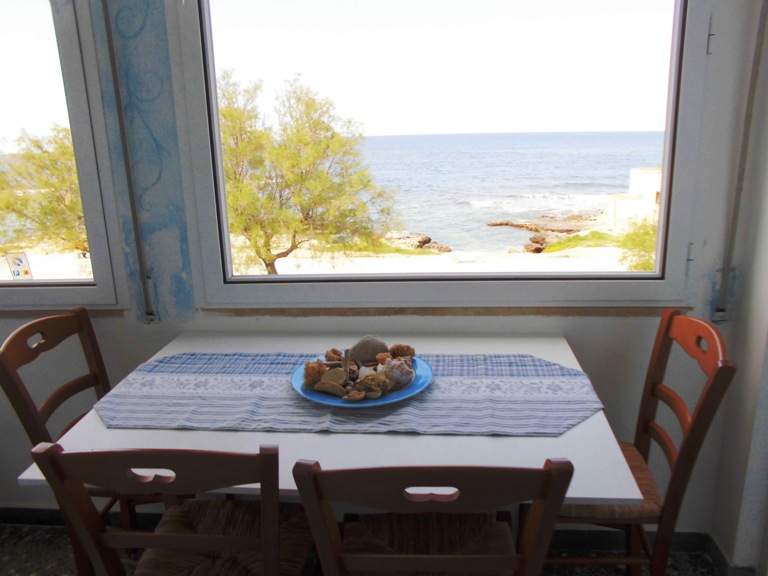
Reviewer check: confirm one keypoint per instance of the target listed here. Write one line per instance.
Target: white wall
(742, 503)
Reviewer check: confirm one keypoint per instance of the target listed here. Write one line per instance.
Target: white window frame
(77, 54)
(669, 288)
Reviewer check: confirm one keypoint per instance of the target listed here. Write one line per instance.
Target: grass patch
(639, 246)
(370, 248)
(594, 239)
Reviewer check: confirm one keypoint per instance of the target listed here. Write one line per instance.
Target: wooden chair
(214, 536)
(26, 345)
(702, 342)
(437, 518)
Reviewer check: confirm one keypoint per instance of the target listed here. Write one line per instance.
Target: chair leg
(662, 547)
(82, 563)
(634, 547)
(127, 514)
(522, 517)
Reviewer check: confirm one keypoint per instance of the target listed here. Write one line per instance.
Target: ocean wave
(592, 185)
(553, 203)
(453, 186)
(484, 203)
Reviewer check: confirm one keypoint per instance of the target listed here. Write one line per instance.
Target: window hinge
(688, 259)
(710, 35)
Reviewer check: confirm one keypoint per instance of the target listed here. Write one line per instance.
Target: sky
(459, 66)
(32, 95)
(404, 66)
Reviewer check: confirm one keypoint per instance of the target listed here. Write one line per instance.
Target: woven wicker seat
(437, 520)
(227, 517)
(651, 506)
(196, 536)
(460, 534)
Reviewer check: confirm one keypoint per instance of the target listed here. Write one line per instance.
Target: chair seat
(230, 517)
(649, 510)
(460, 534)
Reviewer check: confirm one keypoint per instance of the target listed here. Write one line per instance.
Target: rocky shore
(415, 241)
(548, 228)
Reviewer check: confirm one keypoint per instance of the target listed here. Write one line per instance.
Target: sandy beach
(71, 266)
(47, 264)
(574, 260)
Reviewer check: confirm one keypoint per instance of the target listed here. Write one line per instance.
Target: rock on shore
(548, 228)
(414, 241)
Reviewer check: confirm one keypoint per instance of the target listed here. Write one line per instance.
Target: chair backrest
(703, 343)
(171, 474)
(400, 490)
(26, 345)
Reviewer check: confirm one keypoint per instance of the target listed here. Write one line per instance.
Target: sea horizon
(525, 132)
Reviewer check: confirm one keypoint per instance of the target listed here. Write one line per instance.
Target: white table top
(601, 474)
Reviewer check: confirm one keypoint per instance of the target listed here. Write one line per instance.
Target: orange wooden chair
(437, 519)
(702, 342)
(194, 536)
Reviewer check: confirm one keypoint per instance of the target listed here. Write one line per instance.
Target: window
(451, 127)
(53, 239)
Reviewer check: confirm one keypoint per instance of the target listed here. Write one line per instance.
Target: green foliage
(5, 182)
(40, 195)
(639, 246)
(371, 246)
(301, 183)
(590, 240)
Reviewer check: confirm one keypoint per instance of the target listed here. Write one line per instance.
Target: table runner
(470, 394)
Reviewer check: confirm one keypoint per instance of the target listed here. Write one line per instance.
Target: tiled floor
(44, 551)
(680, 564)
(34, 551)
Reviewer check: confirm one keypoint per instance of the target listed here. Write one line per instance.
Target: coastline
(438, 259)
(433, 259)
(604, 259)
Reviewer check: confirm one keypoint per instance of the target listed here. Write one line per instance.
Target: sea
(450, 187)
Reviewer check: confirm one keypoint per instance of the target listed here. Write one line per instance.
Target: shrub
(639, 246)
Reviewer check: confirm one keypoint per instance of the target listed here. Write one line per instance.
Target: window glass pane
(42, 227)
(427, 137)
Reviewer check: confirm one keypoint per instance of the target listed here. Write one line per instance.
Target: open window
(534, 147)
(53, 238)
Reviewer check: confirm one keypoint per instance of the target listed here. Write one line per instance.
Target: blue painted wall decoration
(138, 30)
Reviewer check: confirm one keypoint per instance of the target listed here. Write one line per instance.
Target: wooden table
(601, 474)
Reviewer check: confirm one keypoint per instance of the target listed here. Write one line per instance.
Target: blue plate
(421, 380)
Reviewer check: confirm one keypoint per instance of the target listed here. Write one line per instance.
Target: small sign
(19, 265)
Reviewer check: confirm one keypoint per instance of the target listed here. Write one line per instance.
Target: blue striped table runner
(470, 394)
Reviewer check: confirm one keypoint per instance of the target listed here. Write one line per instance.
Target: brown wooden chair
(702, 342)
(26, 346)
(194, 536)
(437, 519)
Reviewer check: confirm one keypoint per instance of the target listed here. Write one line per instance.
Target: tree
(301, 184)
(7, 224)
(4, 177)
(42, 194)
